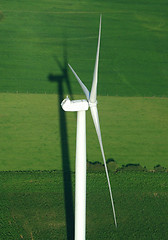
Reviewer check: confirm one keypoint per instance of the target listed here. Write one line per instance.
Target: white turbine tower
(81, 106)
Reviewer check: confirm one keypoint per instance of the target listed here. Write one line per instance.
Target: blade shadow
(62, 79)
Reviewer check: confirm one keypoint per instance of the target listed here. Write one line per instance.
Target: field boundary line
(70, 12)
(51, 93)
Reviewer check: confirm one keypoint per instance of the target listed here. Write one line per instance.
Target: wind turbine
(81, 106)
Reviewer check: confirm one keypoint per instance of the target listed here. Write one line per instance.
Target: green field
(33, 206)
(37, 139)
(134, 130)
(133, 57)
(37, 41)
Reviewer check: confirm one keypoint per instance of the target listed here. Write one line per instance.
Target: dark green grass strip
(33, 206)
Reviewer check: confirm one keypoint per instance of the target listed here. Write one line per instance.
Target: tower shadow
(60, 79)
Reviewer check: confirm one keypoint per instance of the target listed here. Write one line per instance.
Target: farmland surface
(37, 139)
(37, 41)
(36, 133)
(33, 206)
(36, 35)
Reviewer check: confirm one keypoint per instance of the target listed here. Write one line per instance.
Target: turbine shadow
(60, 79)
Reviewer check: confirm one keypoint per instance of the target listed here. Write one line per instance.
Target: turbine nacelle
(75, 105)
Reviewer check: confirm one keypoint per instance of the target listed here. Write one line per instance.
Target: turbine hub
(92, 104)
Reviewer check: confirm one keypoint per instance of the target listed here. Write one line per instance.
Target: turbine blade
(85, 90)
(95, 117)
(93, 94)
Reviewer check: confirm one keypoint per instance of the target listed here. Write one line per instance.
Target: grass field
(133, 57)
(33, 206)
(134, 130)
(37, 41)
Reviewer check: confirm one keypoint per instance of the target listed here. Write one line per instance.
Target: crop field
(37, 139)
(39, 39)
(33, 206)
(134, 130)
(35, 36)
